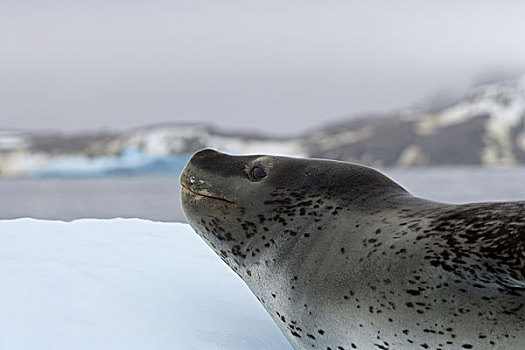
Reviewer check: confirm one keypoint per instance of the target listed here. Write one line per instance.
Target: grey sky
(275, 66)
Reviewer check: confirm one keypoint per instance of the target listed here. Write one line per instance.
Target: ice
(122, 284)
(132, 161)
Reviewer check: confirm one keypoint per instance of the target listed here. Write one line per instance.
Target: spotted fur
(344, 258)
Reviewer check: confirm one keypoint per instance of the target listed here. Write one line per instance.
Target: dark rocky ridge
(384, 140)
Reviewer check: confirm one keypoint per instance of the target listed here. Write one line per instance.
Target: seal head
(243, 205)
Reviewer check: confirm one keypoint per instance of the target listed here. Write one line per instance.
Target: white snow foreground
(122, 284)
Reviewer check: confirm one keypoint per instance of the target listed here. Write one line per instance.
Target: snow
(482, 102)
(11, 141)
(235, 145)
(341, 139)
(166, 140)
(163, 140)
(122, 284)
(21, 163)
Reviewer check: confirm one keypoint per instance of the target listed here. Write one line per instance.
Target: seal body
(342, 257)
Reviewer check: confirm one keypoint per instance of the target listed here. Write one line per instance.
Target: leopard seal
(344, 258)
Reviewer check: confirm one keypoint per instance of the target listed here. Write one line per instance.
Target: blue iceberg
(132, 161)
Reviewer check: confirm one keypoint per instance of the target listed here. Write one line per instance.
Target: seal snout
(200, 177)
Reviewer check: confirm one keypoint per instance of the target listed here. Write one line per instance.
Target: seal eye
(257, 173)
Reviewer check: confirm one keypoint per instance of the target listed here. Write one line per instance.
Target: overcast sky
(279, 67)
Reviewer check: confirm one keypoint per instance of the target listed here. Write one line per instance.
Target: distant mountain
(486, 127)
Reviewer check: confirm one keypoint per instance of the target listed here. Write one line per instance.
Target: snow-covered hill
(503, 106)
(122, 284)
(486, 127)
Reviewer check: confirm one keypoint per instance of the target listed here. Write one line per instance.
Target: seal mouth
(201, 195)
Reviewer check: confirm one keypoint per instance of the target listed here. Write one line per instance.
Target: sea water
(158, 197)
